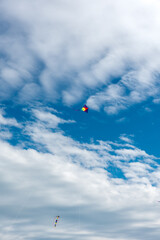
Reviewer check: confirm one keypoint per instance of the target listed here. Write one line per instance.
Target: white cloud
(131, 154)
(50, 119)
(156, 100)
(124, 137)
(8, 121)
(5, 134)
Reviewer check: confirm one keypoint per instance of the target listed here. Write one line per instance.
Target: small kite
(85, 109)
(56, 220)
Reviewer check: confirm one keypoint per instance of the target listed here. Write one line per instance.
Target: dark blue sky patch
(115, 172)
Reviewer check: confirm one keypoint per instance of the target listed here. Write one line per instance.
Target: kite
(85, 109)
(57, 218)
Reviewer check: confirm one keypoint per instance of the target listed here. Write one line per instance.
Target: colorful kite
(85, 109)
(56, 220)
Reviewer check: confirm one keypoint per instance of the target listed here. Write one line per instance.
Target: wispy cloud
(65, 51)
(126, 138)
(50, 119)
(8, 121)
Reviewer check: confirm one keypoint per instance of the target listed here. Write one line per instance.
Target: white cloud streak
(12, 122)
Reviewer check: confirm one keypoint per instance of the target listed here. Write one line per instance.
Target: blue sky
(99, 171)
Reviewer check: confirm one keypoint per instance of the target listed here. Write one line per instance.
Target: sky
(99, 171)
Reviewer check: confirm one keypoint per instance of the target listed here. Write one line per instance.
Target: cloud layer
(74, 51)
(102, 190)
